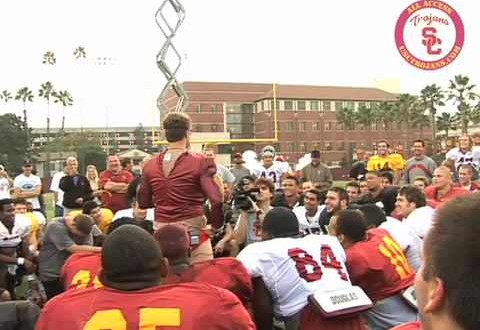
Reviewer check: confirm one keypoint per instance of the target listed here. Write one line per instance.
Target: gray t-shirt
(419, 167)
(240, 172)
(53, 254)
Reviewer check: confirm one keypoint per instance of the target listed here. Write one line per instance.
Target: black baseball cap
(315, 154)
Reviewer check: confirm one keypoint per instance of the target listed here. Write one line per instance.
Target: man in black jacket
(76, 187)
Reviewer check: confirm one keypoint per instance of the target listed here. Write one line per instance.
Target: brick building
(305, 115)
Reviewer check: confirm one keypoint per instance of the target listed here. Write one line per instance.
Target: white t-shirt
(273, 173)
(308, 225)
(279, 260)
(420, 220)
(22, 227)
(406, 238)
(4, 188)
(54, 186)
(128, 213)
(469, 158)
(28, 184)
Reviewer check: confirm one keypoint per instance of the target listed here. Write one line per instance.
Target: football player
(81, 269)
(226, 273)
(287, 269)
(377, 264)
(133, 297)
(270, 169)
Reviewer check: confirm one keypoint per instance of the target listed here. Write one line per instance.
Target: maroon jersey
(310, 319)
(111, 200)
(379, 266)
(226, 273)
(167, 307)
(409, 326)
(181, 195)
(81, 269)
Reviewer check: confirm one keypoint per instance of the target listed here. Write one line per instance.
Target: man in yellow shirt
(20, 205)
(102, 216)
(384, 161)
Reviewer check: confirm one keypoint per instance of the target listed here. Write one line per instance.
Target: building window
(350, 105)
(301, 106)
(214, 128)
(326, 105)
(303, 126)
(306, 147)
(341, 146)
(272, 105)
(288, 105)
(215, 108)
(318, 126)
(290, 147)
(198, 128)
(328, 146)
(328, 126)
(290, 127)
(338, 106)
(339, 126)
(314, 105)
(199, 108)
(277, 147)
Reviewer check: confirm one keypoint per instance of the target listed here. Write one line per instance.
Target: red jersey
(311, 319)
(379, 266)
(111, 200)
(168, 307)
(181, 195)
(409, 326)
(81, 269)
(434, 201)
(226, 273)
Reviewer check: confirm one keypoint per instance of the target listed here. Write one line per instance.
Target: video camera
(242, 198)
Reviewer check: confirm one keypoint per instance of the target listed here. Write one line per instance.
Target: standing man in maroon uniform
(177, 182)
(114, 182)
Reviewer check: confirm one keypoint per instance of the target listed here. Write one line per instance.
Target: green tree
(421, 121)
(461, 92)
(79, 53)
(24, 95)
(5, 96)
(66, 100)
(346, 117)
(46, 91)
(14, 142)
(49, 58)
(366, 117)
(407, 109)
(432, 97)
(446, 122)
(386, 114)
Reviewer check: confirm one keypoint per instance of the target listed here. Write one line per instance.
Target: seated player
(286, 270)
(377, 264)
(406, 238)
(133, 297)
(448, 285)
(226, 273)
(81, 269)
(102, 216)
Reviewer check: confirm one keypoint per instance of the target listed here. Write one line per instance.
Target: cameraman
(249, 226)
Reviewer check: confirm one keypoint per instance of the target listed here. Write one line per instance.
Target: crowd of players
(190, 244)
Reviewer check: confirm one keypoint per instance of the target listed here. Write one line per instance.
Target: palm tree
(446, 122)
(5, 96)
(24, 95)
(421, 121)
(461, 91)
(366, 117)
(346, 117)
(66, 100)
(407, 109)
(79, 52)
(46, 91)
(49, 58)
(387, 113)
(431, 97)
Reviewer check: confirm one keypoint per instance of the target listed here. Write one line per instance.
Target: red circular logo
(429, 34)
